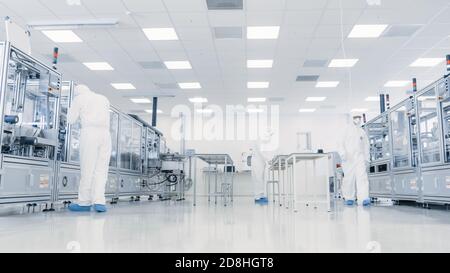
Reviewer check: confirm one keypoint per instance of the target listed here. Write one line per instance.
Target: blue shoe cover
(349, 202)
(366, 202)
(76, 207)
(99, 208)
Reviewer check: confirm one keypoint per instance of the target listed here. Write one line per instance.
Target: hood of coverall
(81, 89)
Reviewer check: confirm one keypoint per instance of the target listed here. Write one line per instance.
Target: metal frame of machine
(39, 159)
(30, 94)
(419, 165)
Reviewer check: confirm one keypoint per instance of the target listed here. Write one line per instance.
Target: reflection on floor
(244, 227)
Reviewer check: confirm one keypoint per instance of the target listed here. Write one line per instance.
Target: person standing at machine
(355, 159)
(92, 111)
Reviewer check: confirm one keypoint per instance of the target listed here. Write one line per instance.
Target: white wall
(326, 133)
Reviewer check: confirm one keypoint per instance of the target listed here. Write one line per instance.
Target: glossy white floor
(244, 227)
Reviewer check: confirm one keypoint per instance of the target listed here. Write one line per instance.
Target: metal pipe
(382, 104)
(154, 110)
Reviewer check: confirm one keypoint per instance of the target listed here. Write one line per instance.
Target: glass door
(401, 142)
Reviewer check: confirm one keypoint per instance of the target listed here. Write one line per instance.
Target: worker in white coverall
(262, 152)
(355, 160)
(92, 111)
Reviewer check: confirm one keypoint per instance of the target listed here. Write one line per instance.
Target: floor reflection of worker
(355, 160)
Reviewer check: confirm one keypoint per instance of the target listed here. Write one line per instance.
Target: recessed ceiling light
(123, 86)
(374, 98)
(140, 100)
(160, 34)
(257, 84)
(62, 36)
(256, 99)
(359, 110)
(396, 83)
(178, 65)
(255, 110)
(327, 84)
(307, 110)
(259, 63)
(151, 111)
(427, 62)
(266, 32)
(204, 111)
(316, 98)
(342, 62)
(198, 100)
(98, 66)
(367, 31)
(189, 85)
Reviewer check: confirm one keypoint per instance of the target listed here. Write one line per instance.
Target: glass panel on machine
(136, 161)
(31, 98)
(378, 132)
(126, 140)
(429, 127)
(446, 127)
(400, 137)
(114, 130)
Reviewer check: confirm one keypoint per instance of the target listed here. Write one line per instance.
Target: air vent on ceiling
(275, 99)
(228, 32)
(315, 63)
(167, 85)
(307, 78)
(152, 65)
(401, 30)
(224, 4)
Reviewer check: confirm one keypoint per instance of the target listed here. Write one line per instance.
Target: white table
(278, 164)
(291, 163)
(216, 160)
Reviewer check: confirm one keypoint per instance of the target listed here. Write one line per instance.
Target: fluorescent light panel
(263, 32)
(140, 100)
(62, 36)
(307, 110)
(316, 98)
(257, 84)
(98, 66)
(396, 83)
(367, 31)
(189, 85)
(259, 63)
(343, 62)
(327, 84)
(198, 100)
(160, 34)
(123, 86)
(178, 65)
(256, 99)
(427, 62)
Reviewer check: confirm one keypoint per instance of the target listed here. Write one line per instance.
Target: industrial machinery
(433, 109)
(377, 131)
(403, 128)
(30, 96)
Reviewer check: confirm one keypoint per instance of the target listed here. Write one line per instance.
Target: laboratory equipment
(377, 131)
(30, 96)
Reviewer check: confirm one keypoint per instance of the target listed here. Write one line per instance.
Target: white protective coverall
(355, 157)
(92, 110)
(262, 152)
